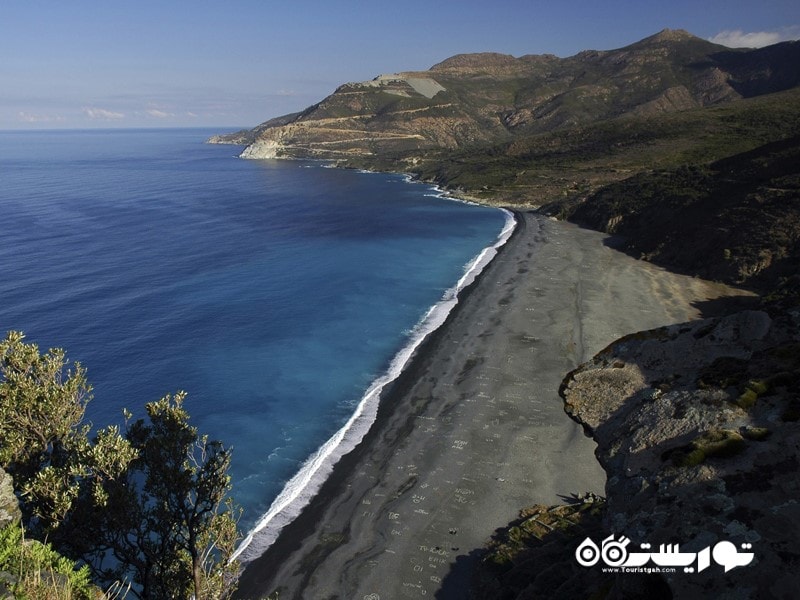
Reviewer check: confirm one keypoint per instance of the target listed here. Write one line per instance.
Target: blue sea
(280, 295)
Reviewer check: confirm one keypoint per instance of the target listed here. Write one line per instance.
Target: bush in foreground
(149, 506)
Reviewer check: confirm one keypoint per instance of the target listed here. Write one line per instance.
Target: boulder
(9, 504)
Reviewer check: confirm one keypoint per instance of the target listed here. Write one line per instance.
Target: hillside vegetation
(685, 148)
(735, 219)
(474, 102)
(565, 167)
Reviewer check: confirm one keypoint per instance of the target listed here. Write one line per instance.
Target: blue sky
(87, 63)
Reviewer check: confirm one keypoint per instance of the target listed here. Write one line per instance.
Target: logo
(614, 553)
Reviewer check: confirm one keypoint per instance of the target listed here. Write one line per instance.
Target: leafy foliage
(41, 403)
(150, 506)
(167, 524)
(38, 572)
(44, 444)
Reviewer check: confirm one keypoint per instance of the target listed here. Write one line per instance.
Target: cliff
(697, 428)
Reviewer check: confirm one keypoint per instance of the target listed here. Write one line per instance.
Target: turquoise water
(275, 293)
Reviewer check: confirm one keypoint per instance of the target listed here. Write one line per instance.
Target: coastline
(473, 429)
(305, 484)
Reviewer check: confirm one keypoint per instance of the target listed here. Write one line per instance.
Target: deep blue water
(273, 292)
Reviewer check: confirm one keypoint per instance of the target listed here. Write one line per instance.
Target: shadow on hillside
(540, 564)
(718, 307)
(458, 582)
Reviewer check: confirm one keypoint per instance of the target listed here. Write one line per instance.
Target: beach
(474, 430)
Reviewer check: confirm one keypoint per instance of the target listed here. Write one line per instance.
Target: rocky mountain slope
(482, 99)
(736, 219)
(686, 150)
(679, 146)
(698, 429)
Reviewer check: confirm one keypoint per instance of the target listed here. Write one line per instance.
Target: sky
(237, 63)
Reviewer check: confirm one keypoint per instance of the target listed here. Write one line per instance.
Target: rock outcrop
(698, 429)
(9, 504)
(9, 514)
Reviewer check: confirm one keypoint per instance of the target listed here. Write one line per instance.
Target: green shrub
(753, 390)
(37, 572)
(717, 442)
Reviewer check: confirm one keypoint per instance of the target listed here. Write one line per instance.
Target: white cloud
(158, 114)
(26, 117)
(755, 39)
(102, 114)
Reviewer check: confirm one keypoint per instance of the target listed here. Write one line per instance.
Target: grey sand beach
(474, 430)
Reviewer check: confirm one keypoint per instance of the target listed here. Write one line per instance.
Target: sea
(280, 295)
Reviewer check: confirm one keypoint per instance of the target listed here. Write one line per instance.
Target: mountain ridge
(488, 98)
(539, 131)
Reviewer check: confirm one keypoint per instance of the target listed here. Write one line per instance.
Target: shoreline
(303, 523)
(315, 470)
(473, 429)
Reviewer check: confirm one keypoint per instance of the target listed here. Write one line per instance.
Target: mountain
(685, 149)
(480, 100)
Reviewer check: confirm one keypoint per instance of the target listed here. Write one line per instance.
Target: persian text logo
(615, 554)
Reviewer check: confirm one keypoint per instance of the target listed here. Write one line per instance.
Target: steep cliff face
(473, 100)
(698, 429)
